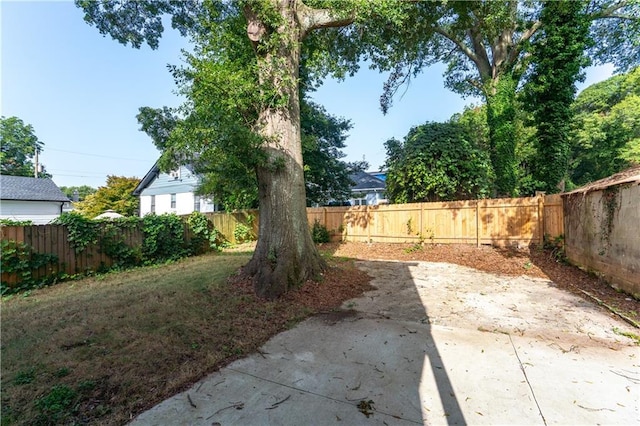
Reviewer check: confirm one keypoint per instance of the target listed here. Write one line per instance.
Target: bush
(163, 238)
(205, 235)
(18, 258)
(11, 222)
(320, 233)
(244, 232)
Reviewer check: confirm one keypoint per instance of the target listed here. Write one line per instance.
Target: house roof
(365, 182)
(147, 179)
(631, 175)
(30, 189)
(151, 175)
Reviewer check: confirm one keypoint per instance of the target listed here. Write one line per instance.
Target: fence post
(368, 222)
(477, 223)
(541, 219)
(324, 217)
(420, 220)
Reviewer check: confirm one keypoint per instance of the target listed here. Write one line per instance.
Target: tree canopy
(605, 136)
(437, 162)
(117, 195)
(18, 146)
(487, 48)
(82, 190)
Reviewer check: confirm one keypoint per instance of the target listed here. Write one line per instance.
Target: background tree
(18, 145)
(558, 57)
(436, 162)
(117, 195)
(233, 183)
(606, 128)
(83, 191)
(242, 80)
(486, 45)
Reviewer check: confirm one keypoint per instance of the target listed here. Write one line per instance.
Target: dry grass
(102, 350)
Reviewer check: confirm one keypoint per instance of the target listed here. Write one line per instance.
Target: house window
(173, 201)
(360, 202)
(196, 203)
(153, 204)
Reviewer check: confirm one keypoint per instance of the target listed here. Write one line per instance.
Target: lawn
(103, 349)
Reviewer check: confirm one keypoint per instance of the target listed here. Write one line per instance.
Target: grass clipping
(104, 349)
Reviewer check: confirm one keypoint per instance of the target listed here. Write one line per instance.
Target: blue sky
(81, 91)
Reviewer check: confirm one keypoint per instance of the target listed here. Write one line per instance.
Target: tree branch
(463, 47)
(515, 52)
(312, 19)
(604, 13)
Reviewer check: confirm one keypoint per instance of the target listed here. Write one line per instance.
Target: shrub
(163, 238)
(243, 232)
(320, 233)
(205, 235)
(11, 222)
(20, 259)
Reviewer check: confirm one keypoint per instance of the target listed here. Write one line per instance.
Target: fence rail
(501, 222)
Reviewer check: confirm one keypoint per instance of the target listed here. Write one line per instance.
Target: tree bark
(285, 255)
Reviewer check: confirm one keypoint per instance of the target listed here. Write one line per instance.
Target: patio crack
(527, 379)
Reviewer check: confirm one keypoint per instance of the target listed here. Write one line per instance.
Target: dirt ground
(532, 262)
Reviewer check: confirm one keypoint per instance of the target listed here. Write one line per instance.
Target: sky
(81, 92)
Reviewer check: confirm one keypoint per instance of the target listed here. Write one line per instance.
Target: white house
(27, 198)
(369, 189)
(172, 192)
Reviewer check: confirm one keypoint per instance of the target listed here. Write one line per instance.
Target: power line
(97, 155)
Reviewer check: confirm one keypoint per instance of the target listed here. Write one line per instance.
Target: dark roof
(147, 179)
(29, 189)
(364, 181)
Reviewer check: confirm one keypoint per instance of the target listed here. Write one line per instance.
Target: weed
(57, 404)
(630, 335)
(62, 372)
(86, 386)
(25, 377)
(414, 248)
(320, 233)
(555, 247)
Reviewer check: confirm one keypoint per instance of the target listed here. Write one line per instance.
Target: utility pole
(36, 158)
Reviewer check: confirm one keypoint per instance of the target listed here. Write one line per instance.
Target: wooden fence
(54, 239)
(501, 222)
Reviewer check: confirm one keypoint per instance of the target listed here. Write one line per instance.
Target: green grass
(101, 349)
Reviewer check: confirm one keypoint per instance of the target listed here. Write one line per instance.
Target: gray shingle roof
(364, 181)
(29, 189)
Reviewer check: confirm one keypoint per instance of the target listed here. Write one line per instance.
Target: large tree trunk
(285, 254)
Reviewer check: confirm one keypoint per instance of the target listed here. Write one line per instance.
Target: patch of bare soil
(532, 261)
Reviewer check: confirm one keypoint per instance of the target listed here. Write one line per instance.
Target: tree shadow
(399, 304)
(401, 332)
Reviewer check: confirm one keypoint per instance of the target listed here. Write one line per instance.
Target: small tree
(117, 195)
